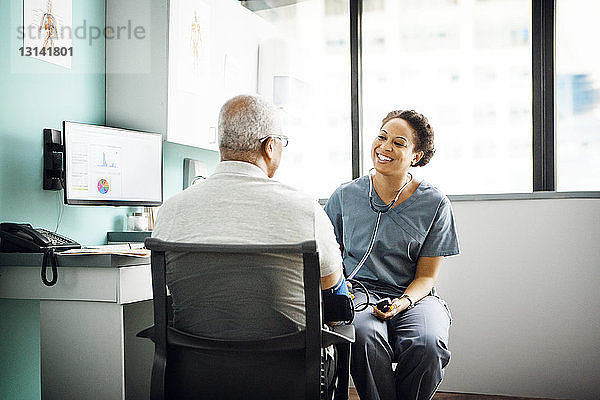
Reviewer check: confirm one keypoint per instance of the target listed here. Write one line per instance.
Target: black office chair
(283, 367)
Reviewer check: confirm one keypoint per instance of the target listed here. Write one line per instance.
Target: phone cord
(49, 254)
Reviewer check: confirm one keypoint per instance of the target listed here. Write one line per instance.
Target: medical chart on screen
(112, 171)
(96, 170)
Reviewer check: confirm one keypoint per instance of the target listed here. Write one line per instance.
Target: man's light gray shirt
(247, 298)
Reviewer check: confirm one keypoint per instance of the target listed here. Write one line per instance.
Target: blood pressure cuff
(337, 303)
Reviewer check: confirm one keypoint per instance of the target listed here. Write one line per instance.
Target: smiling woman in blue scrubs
(397, 230)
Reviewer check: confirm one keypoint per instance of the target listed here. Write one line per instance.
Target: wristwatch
(410, 300)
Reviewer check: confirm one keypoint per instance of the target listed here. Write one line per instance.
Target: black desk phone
(23, 238)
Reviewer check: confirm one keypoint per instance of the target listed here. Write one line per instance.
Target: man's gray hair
(244, 120)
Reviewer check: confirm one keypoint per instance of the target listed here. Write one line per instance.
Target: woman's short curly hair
(423, 132)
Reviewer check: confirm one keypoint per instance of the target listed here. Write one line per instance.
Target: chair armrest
(345, 330)
(147, 333)
(290, 341)
(339, 335)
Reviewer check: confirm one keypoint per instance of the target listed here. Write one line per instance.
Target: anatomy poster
(192, 81)
(48, 31)
(190, 41)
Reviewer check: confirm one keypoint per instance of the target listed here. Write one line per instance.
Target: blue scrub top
(420, 226)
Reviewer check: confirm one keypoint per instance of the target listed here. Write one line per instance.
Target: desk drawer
(74, 283)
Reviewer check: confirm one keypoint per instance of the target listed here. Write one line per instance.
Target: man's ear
(268, 148)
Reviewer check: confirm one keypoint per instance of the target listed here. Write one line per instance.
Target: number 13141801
(46, 51)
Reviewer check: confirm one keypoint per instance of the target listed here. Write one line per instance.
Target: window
(577, 95)
(311, 84)
(467, 67)
(336, 7)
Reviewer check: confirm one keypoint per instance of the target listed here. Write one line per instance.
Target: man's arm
(329, 281)
(329, 255)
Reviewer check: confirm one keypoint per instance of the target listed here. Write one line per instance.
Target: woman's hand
(426, 274)
(398, 305)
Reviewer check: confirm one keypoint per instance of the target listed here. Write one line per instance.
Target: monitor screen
(111, 166)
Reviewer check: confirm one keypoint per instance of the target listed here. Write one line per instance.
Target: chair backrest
(189, 366)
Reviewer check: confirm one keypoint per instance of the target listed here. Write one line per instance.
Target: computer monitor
(111, 166)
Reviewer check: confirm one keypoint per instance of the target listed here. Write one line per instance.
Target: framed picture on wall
(48, 31)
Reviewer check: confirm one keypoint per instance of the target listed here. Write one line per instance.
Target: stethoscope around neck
(383, 208)
(379, 209)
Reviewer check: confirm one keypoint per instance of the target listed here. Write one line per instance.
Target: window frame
(543, 110)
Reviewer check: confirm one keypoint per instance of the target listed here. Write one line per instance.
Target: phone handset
(21, 237)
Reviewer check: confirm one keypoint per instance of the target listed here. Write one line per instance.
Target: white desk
(88, 323)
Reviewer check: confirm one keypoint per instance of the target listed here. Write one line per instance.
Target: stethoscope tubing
(368, 252)
(383, 210)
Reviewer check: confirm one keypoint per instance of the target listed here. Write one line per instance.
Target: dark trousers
(415, 339)
(330, 371)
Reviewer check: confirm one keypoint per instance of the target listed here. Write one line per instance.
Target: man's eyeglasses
(283, 138)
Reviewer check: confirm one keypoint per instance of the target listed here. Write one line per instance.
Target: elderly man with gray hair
(240, 203)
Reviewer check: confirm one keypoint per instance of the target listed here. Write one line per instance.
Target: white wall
(525, 300)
